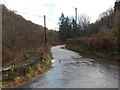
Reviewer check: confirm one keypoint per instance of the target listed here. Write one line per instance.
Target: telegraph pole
(76, 14)
(45, 28)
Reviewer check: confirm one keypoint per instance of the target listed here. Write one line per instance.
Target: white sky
(53, 9)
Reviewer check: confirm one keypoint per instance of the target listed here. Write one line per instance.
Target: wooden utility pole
(45, 28)
(76, 14)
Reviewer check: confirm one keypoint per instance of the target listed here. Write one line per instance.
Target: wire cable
(30, 14)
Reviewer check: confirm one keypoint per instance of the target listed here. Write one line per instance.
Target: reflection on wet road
(70, 70)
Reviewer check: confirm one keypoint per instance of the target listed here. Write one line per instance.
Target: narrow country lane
(70, 70)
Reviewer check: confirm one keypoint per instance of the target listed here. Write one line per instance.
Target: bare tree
(83, 21)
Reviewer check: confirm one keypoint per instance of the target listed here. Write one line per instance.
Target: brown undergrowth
(27, 73)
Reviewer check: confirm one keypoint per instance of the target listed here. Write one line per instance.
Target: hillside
(18, 36)
(102, 37)
(24, 54)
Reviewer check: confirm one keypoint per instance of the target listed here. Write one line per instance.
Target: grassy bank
(26, 73)
(104, 47)
(114, 59)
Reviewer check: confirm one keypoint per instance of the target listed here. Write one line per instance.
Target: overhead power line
(47, 18)
(30, 14)
(37, 16)
(51, 20)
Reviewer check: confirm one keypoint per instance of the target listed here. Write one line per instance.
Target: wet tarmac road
(70, 70)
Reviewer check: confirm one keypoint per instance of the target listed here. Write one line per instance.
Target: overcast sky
(34, 9)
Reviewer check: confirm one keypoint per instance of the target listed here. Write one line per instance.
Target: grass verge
(24, 74)
(105, 55)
